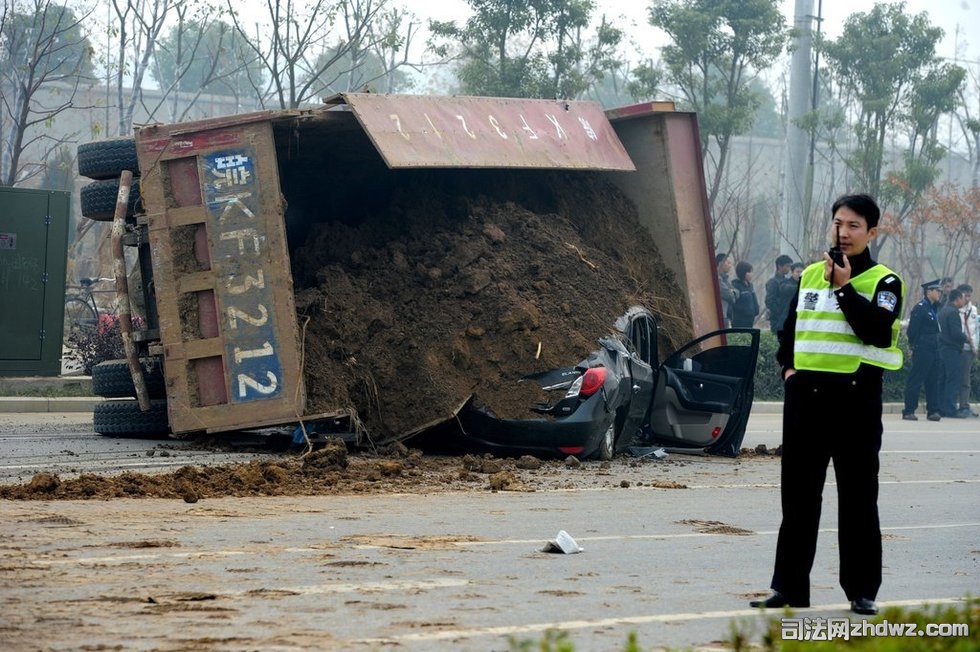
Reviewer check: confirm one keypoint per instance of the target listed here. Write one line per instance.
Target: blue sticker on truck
(239, 260)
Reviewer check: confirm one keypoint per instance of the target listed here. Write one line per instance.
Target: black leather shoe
(910, 417)
(935, 416)
(777, 601)
(864, 606)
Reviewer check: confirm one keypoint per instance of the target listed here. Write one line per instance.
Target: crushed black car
(621, 395)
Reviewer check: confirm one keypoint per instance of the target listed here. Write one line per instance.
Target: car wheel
(607, 447)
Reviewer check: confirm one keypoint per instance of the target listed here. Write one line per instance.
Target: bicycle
(81, 309)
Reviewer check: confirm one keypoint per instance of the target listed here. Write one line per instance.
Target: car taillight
(592, 381)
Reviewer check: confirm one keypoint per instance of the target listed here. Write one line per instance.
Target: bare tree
(391, 38)
(44, 59)
(938, 236)
(138, 25)
(201, 54)
(376, 61)
(304, 44)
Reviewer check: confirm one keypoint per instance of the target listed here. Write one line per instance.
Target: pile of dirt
(333, 470)
(463, 283)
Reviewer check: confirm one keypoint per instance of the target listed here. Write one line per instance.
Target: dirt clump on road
(333, 470)
(461, 284)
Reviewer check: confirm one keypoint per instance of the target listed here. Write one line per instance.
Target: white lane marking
(128, 558)
(691, 535)
(932, 451)
(368, 587)
(829, 483)
(460, 544)
(100, 463)
(531, 628)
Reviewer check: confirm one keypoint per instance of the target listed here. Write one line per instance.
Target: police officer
(923, 334)
(840, 334)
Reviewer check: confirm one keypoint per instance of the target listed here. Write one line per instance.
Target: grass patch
(746, 635)
(45, 387)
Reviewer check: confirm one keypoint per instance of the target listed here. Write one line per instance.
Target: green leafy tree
(968, 119)
(645, 81)
(885, 61)
(529, 48)
(44, 58)
(717, 48)
(768, 121)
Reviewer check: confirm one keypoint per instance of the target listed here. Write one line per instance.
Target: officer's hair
(863, 205)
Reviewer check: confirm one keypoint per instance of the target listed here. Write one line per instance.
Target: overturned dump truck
(386, 266)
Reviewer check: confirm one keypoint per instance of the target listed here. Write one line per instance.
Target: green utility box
(33, 253)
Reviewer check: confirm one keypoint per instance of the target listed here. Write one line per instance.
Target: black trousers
(926, 370)
(830, 417)
(952, 376)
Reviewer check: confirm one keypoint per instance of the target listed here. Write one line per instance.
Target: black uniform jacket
(923, 330)
(871, 323)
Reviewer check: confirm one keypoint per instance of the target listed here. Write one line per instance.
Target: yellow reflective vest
(824, 339)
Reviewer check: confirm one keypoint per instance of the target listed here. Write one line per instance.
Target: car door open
(704, 392)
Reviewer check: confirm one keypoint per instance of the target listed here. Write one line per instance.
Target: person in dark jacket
(951, 342)
(779, 292)
(840, 335)
(747, 304)
(923, 336)
(723, 263)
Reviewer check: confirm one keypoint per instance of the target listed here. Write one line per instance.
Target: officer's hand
(841, 275)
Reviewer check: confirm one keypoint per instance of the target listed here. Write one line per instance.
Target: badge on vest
(887, 300)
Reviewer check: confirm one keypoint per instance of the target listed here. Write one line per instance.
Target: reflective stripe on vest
(824, 339)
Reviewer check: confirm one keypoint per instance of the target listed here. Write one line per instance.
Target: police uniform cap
(932, 285)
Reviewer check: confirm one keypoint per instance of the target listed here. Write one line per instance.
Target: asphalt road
(65, 443)
(465, 571)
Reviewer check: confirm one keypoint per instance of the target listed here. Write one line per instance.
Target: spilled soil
(332, 469)
(462, 284)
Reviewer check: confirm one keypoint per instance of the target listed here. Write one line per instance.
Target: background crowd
(942, 331)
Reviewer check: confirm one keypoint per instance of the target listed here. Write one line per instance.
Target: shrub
(90, 347)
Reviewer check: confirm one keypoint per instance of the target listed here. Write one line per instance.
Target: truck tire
(106, 159)
(124, 418)
(111, 379)
(98, 199)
